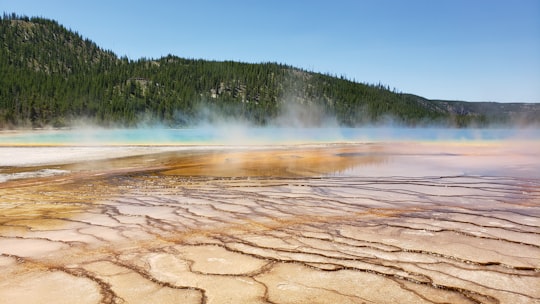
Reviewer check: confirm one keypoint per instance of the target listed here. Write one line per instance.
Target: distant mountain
(51, 76)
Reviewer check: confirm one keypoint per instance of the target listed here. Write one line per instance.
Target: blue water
(246, 136)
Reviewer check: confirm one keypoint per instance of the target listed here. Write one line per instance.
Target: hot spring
(241, 135)
(270, 215)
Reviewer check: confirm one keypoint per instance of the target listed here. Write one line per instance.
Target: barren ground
(342, 223)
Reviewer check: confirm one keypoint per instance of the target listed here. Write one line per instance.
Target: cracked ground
(344, 223)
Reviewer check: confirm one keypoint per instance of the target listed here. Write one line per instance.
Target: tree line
(52, 76)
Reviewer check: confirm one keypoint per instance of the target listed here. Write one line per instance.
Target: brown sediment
(399, 223)
(274, 163)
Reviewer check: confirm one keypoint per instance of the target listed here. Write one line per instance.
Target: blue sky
(475, 50)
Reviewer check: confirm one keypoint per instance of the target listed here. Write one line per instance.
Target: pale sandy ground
(366, 223)
(47, 155)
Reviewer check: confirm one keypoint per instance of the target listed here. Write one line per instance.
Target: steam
(231, 133)
(298, 121)
(305, 115)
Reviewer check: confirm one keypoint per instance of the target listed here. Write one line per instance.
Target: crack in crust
(284, 239)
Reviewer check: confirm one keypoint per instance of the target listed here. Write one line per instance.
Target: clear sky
(475, 50)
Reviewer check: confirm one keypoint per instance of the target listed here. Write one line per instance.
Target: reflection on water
(271, 163)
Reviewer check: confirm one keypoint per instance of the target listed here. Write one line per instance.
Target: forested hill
(51, 76)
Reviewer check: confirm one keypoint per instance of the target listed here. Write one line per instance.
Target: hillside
(51, 76)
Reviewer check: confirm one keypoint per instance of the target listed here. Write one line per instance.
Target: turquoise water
(246, 136)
